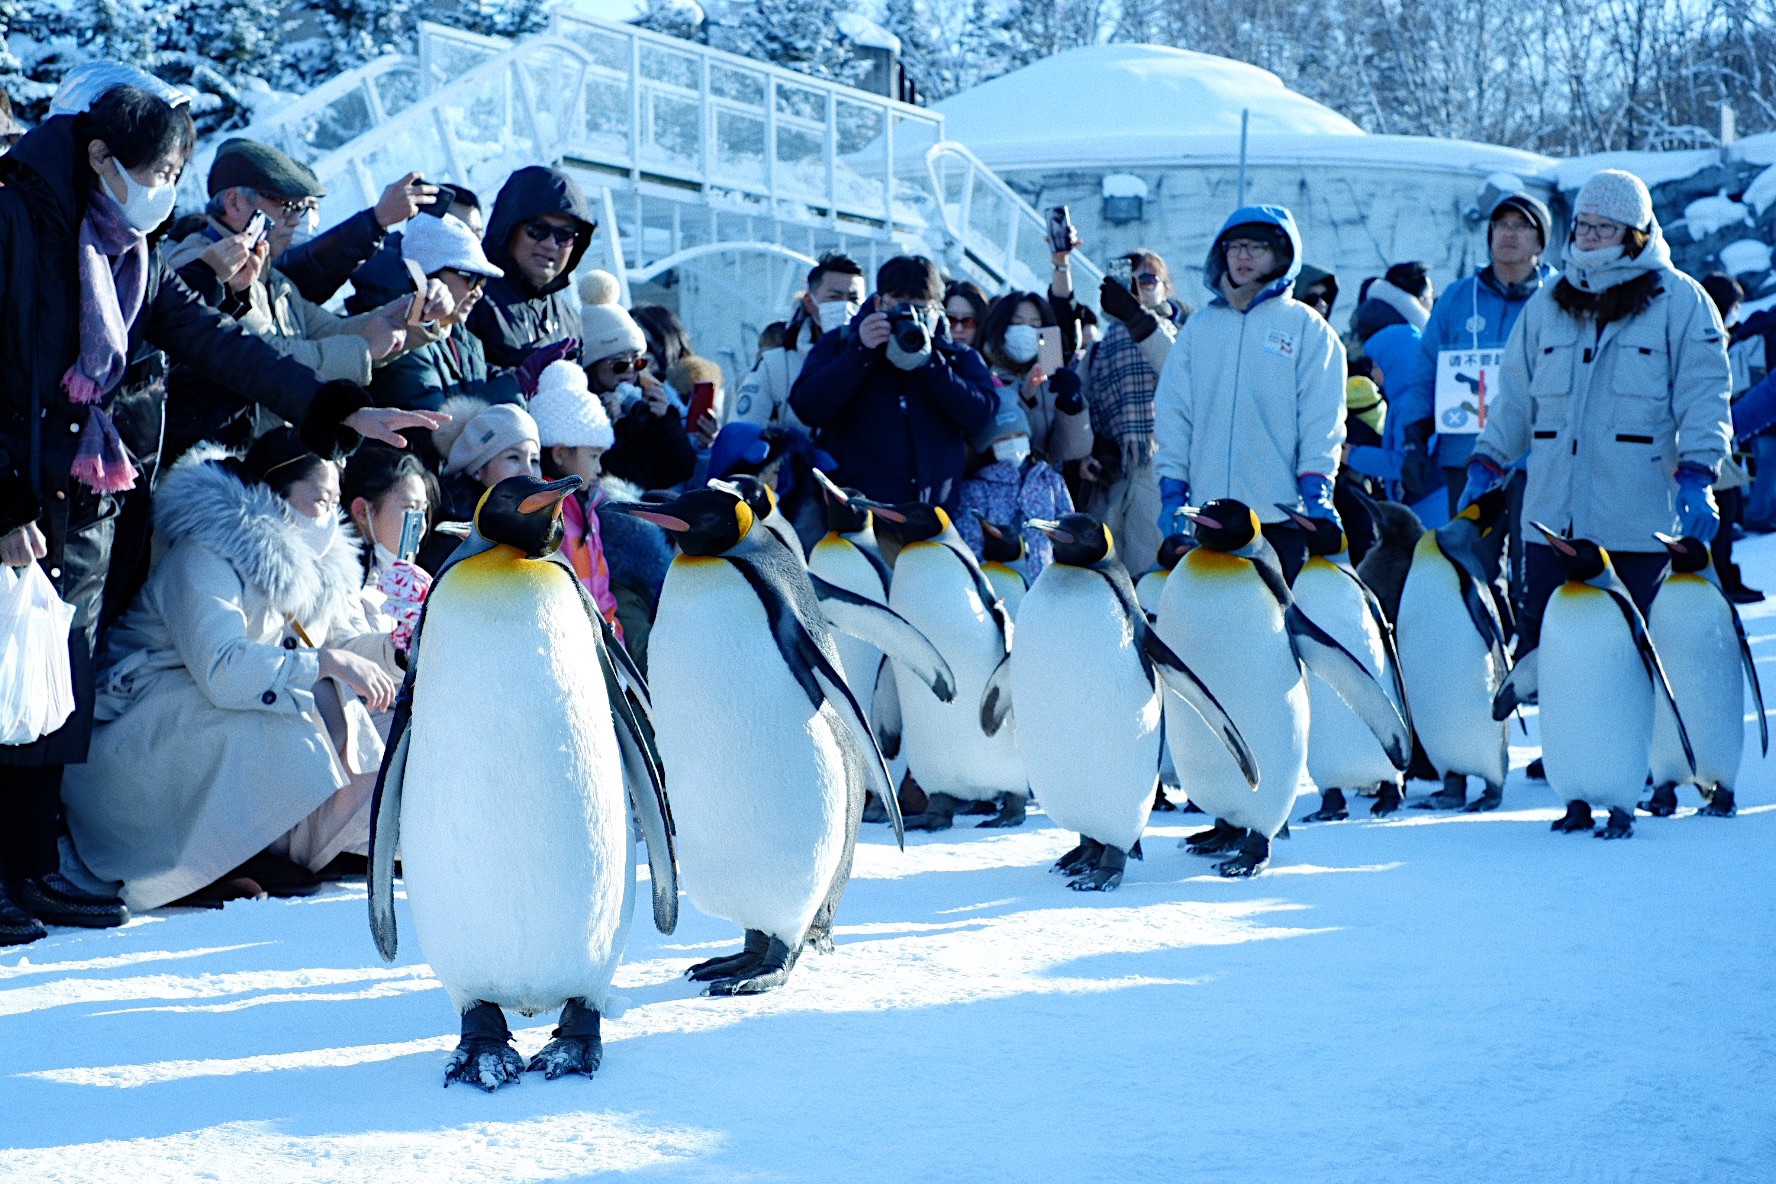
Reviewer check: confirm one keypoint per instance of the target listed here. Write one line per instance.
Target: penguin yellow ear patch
(743, 516)
(1471, 513)
(943, 517)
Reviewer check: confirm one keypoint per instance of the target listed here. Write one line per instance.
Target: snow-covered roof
(1109, 103)
(604, 10)
(864, 33)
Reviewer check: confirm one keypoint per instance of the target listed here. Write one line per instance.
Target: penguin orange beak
(1301, 520)
(988, 526)
(1555, 541)
(1673, 545)
(664, 521)
(1202, 520)
(1052, 529)
(550, 495)
(888, 512)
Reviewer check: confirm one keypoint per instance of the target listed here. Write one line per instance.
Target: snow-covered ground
(1429, 998)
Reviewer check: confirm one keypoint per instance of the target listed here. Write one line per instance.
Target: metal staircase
(720, 178)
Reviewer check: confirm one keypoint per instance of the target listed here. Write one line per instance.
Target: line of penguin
(786, 693)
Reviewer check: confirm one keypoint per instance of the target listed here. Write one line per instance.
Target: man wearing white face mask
(835, 293)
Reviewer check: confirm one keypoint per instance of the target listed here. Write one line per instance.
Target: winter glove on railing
(1117, 301)
(1484, 476)
(1698, 517)
(1418, 469)
(1316, 495)
(530, 370)
(1069, 396)
(1174, 495)
(405, 584)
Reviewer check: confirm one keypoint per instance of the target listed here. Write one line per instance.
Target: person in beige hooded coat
(230, 721)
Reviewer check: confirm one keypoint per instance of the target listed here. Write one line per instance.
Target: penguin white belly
(944, 744)
(756, 774)
(1342, 753)
(1092, 758)
(840, 563)
(1221, 619)
(1596, 700)
(514, 821)
(1149, 589)
(1450, 674)
(1692, 626)
(1008, 582)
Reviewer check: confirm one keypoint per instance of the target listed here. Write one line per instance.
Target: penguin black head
(525, 512)
(1172, 549)
(1323, 537)
(1000, 544)
(1486, 510)
(842, 515)
(908, 522)
(754, 492)
(1688, 555)
(1225, 524)
(702, 521)
(1581, 559)
(1079, 539)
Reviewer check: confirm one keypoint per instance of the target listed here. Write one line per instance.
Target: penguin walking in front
(1702, 642)
(1451, 643)
(942, 592)
(519, 727)
(1002, 546)
(1385, 566)
(1600, 684)
(769, 752)
(1093, 759)
(1150, 588)
(1342, 753)
(1229, 614)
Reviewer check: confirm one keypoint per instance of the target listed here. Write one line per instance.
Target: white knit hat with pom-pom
(566, 411)
(606, 328)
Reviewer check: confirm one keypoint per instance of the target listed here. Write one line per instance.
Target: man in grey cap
(258, 197)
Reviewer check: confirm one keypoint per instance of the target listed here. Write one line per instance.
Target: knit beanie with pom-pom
(566, 411)
(606, 328)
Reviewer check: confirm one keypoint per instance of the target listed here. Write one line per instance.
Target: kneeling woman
(233, 752)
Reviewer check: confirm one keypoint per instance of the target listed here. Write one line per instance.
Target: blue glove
(1316, 495)
(1174, 495)
(1698, 517)
(1483, 477)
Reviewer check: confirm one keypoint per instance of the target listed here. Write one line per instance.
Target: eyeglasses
(475, 282)
(1147, 280)
(1247, 247)
(564, 236)
(1583, 229)
(960, 323)
(291, 211)
(626, 365)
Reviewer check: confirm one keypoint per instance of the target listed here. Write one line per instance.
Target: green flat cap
(262, 168)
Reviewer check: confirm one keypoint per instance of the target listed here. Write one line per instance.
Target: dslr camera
(907, 329)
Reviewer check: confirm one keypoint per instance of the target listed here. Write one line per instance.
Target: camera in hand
(909, 337)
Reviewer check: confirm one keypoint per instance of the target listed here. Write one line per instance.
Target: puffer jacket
(514, 317)
(1010, 495)
(1607, 412)
(1251, 401)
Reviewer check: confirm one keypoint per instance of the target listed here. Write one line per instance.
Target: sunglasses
(1147, 280)
(960, 322)
(626, 365)
(475, 282)
(564, 236)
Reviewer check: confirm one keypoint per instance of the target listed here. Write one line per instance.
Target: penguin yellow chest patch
(1212, 564)
(502, 572)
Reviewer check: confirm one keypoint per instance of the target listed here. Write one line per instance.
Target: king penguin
(1093, 759)
(1452, 655)
(1228, 613)
(941, 591)
(1703, 643)
(1601, 685)
(518, 728)
(768, 750)
(1342, 753)
(1002, 546)
(1150, 588)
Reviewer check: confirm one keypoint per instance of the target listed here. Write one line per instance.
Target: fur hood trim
(255, 530)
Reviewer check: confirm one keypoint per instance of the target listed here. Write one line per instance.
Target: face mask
(144, 206)
(1022, 342)
(385, 558)
(319, 533)
(835, 314)
(1015, 449)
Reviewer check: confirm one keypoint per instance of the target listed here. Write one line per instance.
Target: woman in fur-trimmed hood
(231, 732)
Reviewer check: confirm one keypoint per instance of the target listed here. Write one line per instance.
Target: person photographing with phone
(1021, 342)
(891, 398)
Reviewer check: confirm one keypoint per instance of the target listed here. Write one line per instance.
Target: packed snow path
(1431, 997)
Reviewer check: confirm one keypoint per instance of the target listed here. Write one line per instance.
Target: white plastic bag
(36, 684)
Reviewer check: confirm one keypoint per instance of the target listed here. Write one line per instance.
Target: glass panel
(861, 158)
(397, 90)
(451, 59)
(487, 128)
(553, 77)
(606, 124)
(419, 148)
(610, 50)
(739, 149)
(742, 86)
(801, 101)
(674, 130)
(342, 120)
(673, 69)
(801, 160)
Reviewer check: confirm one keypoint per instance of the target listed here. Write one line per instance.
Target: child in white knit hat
(575, 432)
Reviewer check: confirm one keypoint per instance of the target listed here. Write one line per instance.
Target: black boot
(1332, 807)
(1081, 859)
(1491, 797)
(771, 972)
(17, 927)
(55, 900)
(1576, 818)
(575, 1047)
(1663, 803)
(1619, 826)
(750, 955)
(484, 1056)
(1720, 804)
(1387, 801)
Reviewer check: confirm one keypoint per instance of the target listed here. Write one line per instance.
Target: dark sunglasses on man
(475, 282)
(564, 236)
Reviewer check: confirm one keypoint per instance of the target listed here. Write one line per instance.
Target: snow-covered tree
(798, 34)
(683, 19)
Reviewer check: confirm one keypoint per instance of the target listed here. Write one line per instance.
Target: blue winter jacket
(1479, 295)
(1395, 349)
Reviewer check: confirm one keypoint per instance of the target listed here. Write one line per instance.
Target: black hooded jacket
(514, 317)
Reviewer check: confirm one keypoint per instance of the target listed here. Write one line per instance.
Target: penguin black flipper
(875, 623)
(1751, 676)
(1353, 683)
(982, 586)
(1663, 699)
(385, 820)
(1390, 655)
(885, 711)
(881, 566)
(995, 704)
(794, 627)
(1190, 688)
(1481, 611)
(1519, 686)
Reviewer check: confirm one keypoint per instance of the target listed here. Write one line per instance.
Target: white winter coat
(763, 397)
(211, 742)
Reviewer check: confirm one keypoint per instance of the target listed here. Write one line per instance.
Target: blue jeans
(1760, 506)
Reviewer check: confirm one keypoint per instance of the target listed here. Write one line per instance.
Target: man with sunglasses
(537, 234)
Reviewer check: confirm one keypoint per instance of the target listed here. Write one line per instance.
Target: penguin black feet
(939, 814)
(1663, 803)
(1619, 826)
(1254, 854)
(1453, 795)
(1720, 804)
(769, 973)
(575, 1045)
(1081, 859)
(874, 810)
(1386, 802)
(1011, 811)
(734, 964)
(1221, 837)
(1535, 771)
(1576, 818)
(1161, 803)
(1332, 807)
(1491, 799)
(1106, 875)
(485, 1056)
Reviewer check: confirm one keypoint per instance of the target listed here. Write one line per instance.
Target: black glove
(323, 429)
(1117, 301)
(1418, 469)
(1065, 386)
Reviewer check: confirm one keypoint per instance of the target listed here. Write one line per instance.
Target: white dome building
(1141, 143)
